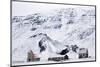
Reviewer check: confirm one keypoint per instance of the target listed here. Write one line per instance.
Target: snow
(80, 32)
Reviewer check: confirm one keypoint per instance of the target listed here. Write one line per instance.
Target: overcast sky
(25, 8)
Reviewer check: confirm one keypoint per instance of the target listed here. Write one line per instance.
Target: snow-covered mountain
(66, 27)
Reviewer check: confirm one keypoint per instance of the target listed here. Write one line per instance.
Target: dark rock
(86, 33)
(42, 48)
(33, 29)
(63, 52)
(58, 26)
(66, 57)
(70, 22)
(74, 48)
(56, 59)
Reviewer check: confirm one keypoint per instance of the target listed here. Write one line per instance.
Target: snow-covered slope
(70, 26)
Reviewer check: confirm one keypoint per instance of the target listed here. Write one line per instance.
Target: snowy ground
(66, 26)
(47, 62)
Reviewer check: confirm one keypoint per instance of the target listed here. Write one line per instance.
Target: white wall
(5, 33)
